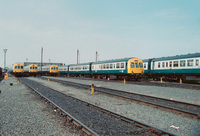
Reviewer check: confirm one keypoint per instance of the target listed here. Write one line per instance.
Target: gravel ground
(179, 94)
(175, 123)
(23, 113)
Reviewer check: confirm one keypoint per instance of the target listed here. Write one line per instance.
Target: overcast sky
(113, 28)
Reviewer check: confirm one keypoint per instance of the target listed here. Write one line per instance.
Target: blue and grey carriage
(174, 67)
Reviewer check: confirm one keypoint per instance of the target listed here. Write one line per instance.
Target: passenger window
(182, 63)
(163, 64)
(190, 63)
(122, 65)
(111, 66)
(166, 64)
(158, 64)
(118, 65)
(107, 66)
(170, 64)
(145, 66)
(197, 62)
(132, 65)
(175, 63)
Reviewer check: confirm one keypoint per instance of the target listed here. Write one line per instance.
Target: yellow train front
(51, 70)
(31, 70)
(17, 69)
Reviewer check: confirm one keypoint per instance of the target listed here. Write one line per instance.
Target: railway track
(92, 119)
(181, 107)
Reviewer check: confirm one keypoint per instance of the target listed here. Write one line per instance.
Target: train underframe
(172, 76)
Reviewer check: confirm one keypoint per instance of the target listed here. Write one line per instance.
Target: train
(17, 69)
(173, 67)
(129, 68)
(30, 70)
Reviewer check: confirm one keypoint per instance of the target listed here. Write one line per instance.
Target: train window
(170, 64)
(141, 65)
(104, 66)
(18, 67)
(197, 62)
(22, 67)
(158, 64)
(132, 65)
(145, 65)
(111, 66)
(52, 68)
(35, 67)
(107, 66)
(15, 67)
(175, 63)
(166, 64)
(182, 63)
(56, 68)
(31, 67)
(118, 65)
(163, 64)
(136, 65)
(122, 65)
(190, 63)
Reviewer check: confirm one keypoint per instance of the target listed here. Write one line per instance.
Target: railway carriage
(63, 70)
(31, 70)
(130, 68)
(79, 69)
(174, 67)
(48, 70)
(17, 69)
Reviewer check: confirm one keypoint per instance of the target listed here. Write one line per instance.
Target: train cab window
(15, 67)
(22, 67)
(136, 65)
(31, 67)
(175, 63)
(122, 65)
(166, 64)
(18, 67)
(197, 62)
(141, 65)
(51, 68)
(35, 67)
(158, 64)
(118, 65)
(163, 64)
(56, 68)
(170, 64)
(182, 63)
(190, 63)
(132, 65)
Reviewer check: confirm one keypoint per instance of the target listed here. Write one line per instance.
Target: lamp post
(5, 50)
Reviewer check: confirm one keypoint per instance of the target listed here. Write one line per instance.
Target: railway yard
(66, 106)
